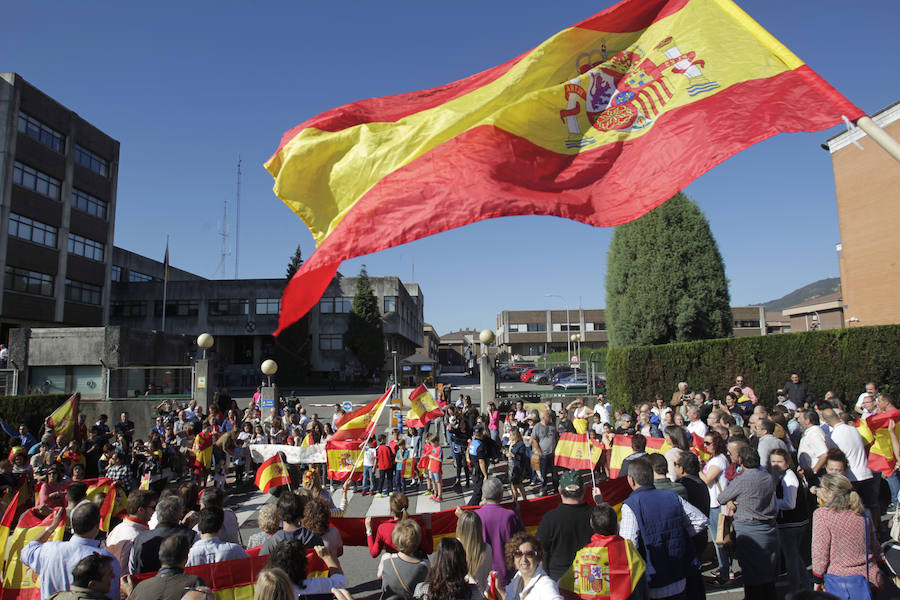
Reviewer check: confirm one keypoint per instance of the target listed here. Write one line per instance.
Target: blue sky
(189, 87)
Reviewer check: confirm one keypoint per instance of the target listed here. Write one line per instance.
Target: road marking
(247, 509)
(380, 507)
(424, 504)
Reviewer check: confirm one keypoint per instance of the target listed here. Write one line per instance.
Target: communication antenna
(237, 219)
(224, 235)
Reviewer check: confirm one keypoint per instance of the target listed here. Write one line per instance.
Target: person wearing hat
(784, 401)
(566, 529)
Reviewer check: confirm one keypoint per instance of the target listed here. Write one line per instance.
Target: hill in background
(812, 291)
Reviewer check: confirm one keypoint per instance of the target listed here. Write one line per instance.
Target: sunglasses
(530, 554)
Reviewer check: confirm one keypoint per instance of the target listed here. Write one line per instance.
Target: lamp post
(576, 341)
(267, 394)
(486, 337)
(568, 344)
(396, 380)
(201, 392)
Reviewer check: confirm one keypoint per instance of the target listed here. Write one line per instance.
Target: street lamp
(568, 344)
(269, 367)
(205, 341)
(486, 337)
(576, 340)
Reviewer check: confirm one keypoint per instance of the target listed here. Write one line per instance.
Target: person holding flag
(272, 474)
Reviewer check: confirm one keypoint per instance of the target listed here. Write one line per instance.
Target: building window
(268, 306)
(331, 341)
(36, 181)
(595, 326)
(41, 132)
(537, 327)
(128, 309)
(177, 308)
(337, 304)
(390, 304)
(89, 204)
(30, 282)
(86, 293)
(94, 162)
(228, 308)
(31, 230)
(138, 277)
(754, 324)
(116, 273)
(85, 247)
(566, 327)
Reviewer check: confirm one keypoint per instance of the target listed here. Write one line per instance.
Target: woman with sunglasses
(525, 553)
(713, 475)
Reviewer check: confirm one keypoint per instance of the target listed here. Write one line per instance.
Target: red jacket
(385, 457)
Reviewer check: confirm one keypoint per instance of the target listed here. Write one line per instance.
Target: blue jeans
(368, 482)
(894, 484)
(399, 480)
(791, 538)
(722, 554)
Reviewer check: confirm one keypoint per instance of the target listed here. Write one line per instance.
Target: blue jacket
(664, 538)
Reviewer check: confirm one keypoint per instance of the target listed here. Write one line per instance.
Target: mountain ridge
(808, 292)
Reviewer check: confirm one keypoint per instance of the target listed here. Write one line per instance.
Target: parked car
(580, 382)
(542, 377)
(507, 373)
(527, 374)
(560, 376)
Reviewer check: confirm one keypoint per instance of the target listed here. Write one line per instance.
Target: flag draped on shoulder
(272, 473)
(203, 450)
(359, 424)
(600, 123)
(63, 419)
(424, 407)
(881, 453)
(574, 451)
(608, 567)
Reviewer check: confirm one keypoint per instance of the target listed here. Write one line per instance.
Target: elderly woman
(845, 550)
(268, 522)
(401, 572)
(525, 553)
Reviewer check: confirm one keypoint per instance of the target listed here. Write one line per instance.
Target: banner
(600, 123)
(295, 455)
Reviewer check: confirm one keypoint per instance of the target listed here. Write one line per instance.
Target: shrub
(30, 410)
(839, 360)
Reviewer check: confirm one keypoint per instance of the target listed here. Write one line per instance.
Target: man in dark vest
(661, 524)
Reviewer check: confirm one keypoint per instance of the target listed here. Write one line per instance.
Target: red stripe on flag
(506, 175)
(632, 15)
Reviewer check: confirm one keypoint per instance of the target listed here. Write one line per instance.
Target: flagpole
(591, 458)
(165, 284)
(368, 437)
(880, 136)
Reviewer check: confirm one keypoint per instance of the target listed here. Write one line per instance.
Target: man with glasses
(140, 506)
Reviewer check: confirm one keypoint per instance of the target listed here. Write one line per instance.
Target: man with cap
(566, 529)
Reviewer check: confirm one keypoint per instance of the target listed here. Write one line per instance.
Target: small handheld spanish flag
(272, 473)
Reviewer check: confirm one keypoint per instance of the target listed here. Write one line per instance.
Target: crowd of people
(768, 487)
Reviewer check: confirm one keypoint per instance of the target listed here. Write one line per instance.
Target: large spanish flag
(63, 419)
(7, 524)
(19, 581)
(272, 473)
(114, 502)
(359, 424)
(600, 123)
(881, 453)
(424, 407)
(622, 449)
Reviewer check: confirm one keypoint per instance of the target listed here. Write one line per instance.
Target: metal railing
(9, 382)
(174, 382)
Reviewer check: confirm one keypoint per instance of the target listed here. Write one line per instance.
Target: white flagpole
(165, 284)
(591, 458)
(359, 458)
(880, 136)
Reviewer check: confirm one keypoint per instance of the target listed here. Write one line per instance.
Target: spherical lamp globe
(269, 367)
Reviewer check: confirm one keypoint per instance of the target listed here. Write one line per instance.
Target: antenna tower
(237, 219)
(224, 235)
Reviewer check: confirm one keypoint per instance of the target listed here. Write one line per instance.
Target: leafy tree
(294, 265)
(665, 280)
(365, 335)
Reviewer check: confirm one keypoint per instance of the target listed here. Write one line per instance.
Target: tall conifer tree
(365, 334)
(665, 280)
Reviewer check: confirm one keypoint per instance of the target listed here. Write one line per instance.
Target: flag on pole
(114, 503)
(63, 419)
(360, 423)
(271, 474)
(573, 451)
(622, 449)
(424, 407)
(600, 123)
(342, 457)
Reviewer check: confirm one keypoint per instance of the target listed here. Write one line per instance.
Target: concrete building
(431, 347)
(825, 312)
(533, 333)
(866, 184)
(457, 349)
(58, 176)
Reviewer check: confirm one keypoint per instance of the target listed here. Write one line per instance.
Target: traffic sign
(574, 360)
(347, 405)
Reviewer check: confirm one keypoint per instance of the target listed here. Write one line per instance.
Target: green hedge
(598, 355)
(30, 410)
(840, 360)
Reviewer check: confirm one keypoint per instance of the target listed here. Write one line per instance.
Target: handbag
(724, 530)
(851, 587)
